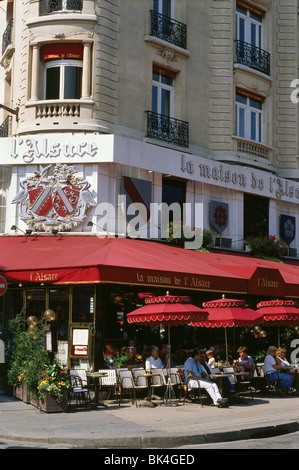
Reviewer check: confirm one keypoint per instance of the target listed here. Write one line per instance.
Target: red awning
(265, 278)
(90, 259)
(228, 313)
(167, 310)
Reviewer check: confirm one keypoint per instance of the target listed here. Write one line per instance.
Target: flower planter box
(51, 405)
(34, 401)
(17, 392)
(25, 395)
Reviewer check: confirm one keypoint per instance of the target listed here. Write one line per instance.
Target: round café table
(97, 376)
(148, 376)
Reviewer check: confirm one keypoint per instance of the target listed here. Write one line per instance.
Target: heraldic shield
(65, 200)
(219, 215)
(40, 199)
(52, 201)
(287, 228)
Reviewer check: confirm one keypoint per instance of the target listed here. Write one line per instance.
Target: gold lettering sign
(39, 276)
(265, 282)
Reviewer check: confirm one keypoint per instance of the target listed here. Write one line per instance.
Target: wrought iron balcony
(167, 129)
(7, 36)
(48, 7)
(168, 29)
(5, 127)
(253, 57)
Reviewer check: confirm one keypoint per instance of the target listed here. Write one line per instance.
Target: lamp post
(32, 326)
(49, 316)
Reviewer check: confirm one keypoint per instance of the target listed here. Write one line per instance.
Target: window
(173, 191)
(249, 117)
(256, 215)
(249, 26)
(249, 40)
(163, 7)
(53, 6)
(63, 79)
(163, 91)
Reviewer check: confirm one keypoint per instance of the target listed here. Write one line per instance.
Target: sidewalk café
(91, 283)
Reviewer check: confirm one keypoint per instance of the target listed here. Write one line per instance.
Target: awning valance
(90, 259)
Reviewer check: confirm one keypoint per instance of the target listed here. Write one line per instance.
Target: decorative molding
(168, 55)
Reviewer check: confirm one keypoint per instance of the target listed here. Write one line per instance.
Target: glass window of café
(83, 304)
(59, 303)
(12, 304)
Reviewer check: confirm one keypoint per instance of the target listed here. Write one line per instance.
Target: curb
(164, 442)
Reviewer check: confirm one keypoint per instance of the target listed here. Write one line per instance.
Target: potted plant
(53, 389)
(179, 233)
(125, 359)
(266, 246)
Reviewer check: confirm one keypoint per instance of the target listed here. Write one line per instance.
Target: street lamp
(32, 326)
(49, 316)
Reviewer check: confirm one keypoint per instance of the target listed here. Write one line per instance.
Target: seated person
(109, 353)
(285, 365)
(165, 361)
(245, 363)
(226, 384)
(211, 358)
(273, 372)
(132, 347)
(197, 378)
(154, 361)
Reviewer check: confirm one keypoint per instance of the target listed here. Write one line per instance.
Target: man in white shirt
(154, 361)
(272, 372)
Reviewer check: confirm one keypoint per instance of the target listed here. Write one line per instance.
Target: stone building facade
(185, 91)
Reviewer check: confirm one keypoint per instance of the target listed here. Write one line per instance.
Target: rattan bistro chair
(84, 379)
(126, 382)
(109, 383)
(79, 392)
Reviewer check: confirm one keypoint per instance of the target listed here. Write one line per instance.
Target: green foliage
(53, 380)
(26, 355)
(124, 359)
(267, 246)
(11, 333)
(180, 233)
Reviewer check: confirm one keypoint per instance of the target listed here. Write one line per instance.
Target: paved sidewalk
(161, 427)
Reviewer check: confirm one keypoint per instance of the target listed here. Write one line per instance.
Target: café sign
(239, 178)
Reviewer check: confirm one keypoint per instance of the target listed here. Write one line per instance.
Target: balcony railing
(52, 109)
(48, 7)
(253, 57)
(5, 127)
(253, 148)
(7, 36)
(167, 129)
(168, 29)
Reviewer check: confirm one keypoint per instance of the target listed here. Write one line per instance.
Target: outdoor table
(220, 376)
(96, 376)
(148, 376)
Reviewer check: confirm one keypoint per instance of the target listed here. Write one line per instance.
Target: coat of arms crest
(57, 201)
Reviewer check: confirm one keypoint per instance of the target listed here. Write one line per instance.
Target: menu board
(80, 342)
